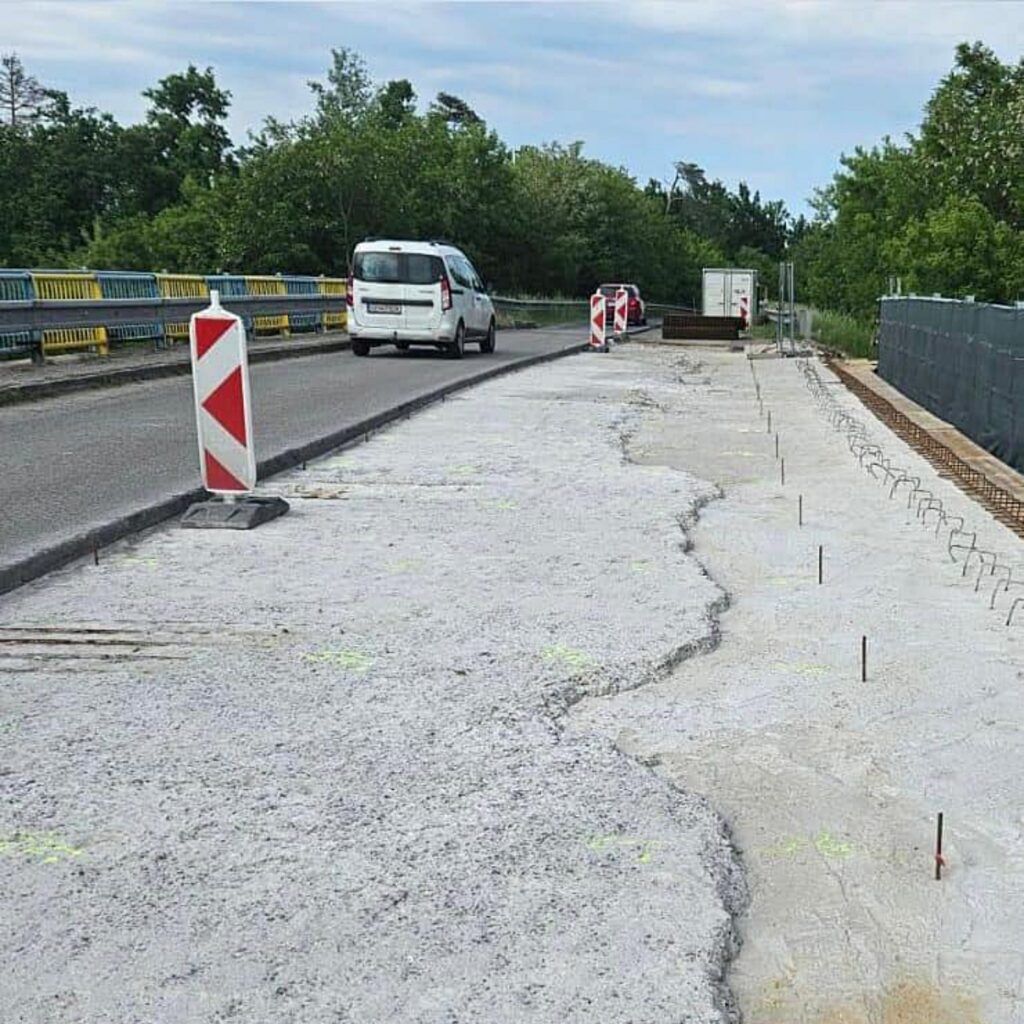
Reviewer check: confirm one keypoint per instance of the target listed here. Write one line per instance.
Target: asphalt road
(70, 464)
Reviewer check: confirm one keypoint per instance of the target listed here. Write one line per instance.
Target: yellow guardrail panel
(264, 285)
(334, 286)
(66, 339)
(56, 286)
(66, 285)
(181, 286)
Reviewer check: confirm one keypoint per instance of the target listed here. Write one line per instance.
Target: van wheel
(457, 349)
(487, 344)
(360, 348)
(402, 346)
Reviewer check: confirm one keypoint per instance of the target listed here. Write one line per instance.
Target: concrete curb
(25, 570)
(15, 394)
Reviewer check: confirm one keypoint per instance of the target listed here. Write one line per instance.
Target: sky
(770, 93)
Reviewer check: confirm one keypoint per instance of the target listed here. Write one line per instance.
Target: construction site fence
(962, 361)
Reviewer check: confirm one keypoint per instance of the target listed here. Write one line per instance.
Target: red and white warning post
(220, 380)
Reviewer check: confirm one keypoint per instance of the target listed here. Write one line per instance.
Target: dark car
(636, 312)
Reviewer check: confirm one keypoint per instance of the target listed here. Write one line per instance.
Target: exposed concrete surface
(829, 784)
(318, 772)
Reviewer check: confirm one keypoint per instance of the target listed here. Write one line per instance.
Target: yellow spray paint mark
(566, 655)
(644, 847)
(802, 668)
(44, 846)
(785, 848)
(129, 560)
(824, 842)
(781, 581)
(641, 566)
(742, 455)
(8, 726)
(465, 470)
(403, 565)
(352, 661)
(504, 505)
(829, 846)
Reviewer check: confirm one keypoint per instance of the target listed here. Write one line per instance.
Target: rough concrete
(829, 784)
(319, 771)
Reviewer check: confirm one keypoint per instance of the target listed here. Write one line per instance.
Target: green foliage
(848, 334)
(943, 211)
(171, 193)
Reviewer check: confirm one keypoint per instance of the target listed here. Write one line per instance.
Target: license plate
(384, 307)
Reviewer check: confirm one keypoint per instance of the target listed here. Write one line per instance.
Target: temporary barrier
(220, 380)
(621, 312)
(64, 285)
(597, 322)
(262, 285)
(119, 284)
(16, 286)
(962, 361)
(334, 286)
(294, 285)
(180, 286)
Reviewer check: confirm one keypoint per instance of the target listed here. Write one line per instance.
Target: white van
(417, 293)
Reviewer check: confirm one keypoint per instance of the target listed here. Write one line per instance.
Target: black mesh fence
(963, 361)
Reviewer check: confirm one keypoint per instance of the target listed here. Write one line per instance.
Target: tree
(971, 140)
(348, 91)
(183, 133)
(21, 95)
(395, 103)
(454, 110)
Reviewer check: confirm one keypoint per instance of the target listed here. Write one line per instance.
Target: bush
(851, 336)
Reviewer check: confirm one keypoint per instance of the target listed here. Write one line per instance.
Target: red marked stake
(939, 859)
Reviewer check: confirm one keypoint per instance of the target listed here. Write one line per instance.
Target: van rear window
(397, 268)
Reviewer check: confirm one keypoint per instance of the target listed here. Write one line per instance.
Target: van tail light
(446, 294)
(348, 292)
(634, 304)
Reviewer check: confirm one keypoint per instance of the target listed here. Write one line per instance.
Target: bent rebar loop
(960, 531)
(904, 478)
(1004, 585)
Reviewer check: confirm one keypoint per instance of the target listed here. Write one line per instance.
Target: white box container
(730, 291)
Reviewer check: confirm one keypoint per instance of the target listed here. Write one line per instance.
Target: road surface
(74, 463)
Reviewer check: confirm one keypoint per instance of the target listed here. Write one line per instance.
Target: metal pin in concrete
(938, 849)
(769, 421)
(95, 556)
(863, 659)
(776, 446)
(782, 469)
(800, 510)
(821, 563)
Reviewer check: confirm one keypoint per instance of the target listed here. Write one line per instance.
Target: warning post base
(243, 514)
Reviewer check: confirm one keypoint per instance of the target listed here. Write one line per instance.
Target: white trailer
(730, 291)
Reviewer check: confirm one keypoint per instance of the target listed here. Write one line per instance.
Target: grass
(541, 314)
(845, 333)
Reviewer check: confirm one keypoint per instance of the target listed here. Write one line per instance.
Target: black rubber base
(243, 514)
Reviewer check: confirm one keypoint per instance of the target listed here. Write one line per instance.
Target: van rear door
(422, 295)
(394, 290)
(378, 298)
